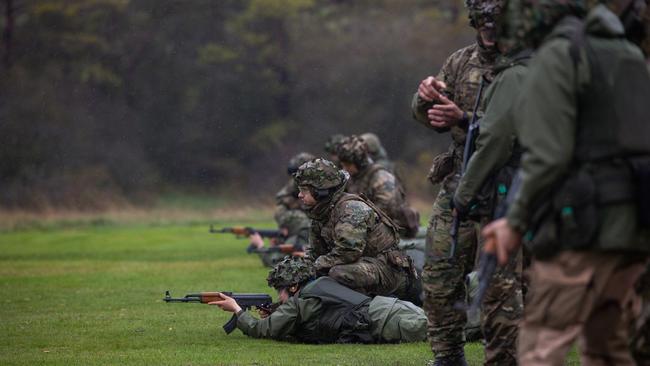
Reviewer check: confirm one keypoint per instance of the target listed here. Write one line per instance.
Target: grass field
(91, 294)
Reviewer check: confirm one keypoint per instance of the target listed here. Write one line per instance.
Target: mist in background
(114, 102)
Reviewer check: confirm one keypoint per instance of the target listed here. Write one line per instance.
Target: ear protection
(321, 193)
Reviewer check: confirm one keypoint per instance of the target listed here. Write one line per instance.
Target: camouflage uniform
(375, 182)
(351, 240)
(297, 224)
(331, 145)
(377, 152)
(324, 311)
(287, 198)
(443, 279)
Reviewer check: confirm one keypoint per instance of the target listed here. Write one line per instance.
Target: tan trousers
(583, 296)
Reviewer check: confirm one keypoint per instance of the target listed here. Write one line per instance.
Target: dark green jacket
(497, 137)
(547, 130)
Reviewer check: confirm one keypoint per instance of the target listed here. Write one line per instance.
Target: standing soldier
(443, 103)
(377, 184)
(351, 240)
(483, 187)
(583, 184)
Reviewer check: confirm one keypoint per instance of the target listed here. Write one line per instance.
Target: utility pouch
(575, 206)
(641, 175)
(567, 221)
(443, 166)
(398, 259)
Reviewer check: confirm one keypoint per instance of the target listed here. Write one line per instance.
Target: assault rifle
(472, 131)
(241, 231)
(245, 301)
(488, 260)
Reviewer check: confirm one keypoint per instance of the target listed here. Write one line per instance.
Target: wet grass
(92, 295)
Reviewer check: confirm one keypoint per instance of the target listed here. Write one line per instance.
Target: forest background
(115, 103)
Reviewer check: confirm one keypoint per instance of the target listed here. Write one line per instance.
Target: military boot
(457, 359)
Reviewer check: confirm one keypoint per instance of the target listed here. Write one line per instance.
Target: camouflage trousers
(373, 276)
(640, 328)
(443, 280)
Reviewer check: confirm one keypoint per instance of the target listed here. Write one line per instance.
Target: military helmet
(319, 174)
(298, 160)
(332, 143)
(353, 149)
(375, 149)
(483, 12)
(294, 221)
(290, 271)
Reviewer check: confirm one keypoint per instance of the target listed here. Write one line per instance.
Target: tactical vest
(614, 107)
(344, 314)
(382, 234)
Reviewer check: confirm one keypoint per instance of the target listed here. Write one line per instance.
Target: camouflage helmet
(353, 149)
(294, 221)
(483, 12)
(332, 143)
(375, 149)
(290, 271)
(298, 160)
(319, 174)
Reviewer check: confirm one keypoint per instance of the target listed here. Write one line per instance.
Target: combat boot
(457, 359)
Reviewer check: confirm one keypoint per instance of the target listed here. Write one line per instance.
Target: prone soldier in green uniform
(443, 103)
(324, 311)
(351, 240)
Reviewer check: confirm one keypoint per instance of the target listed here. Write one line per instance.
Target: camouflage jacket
(347, 228)
(379, 186)
(462, 73)
(286, 199)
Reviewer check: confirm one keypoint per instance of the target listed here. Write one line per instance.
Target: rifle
(472, 130)
(488, 261)
(240, 231)
(280, 248)
(245, 301)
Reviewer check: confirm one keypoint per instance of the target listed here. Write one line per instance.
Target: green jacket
(391, 320)
(548, 134)
(497, 137)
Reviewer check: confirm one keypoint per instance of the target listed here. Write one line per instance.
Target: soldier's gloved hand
(320, 269)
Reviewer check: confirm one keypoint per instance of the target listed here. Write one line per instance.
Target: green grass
(92, 295)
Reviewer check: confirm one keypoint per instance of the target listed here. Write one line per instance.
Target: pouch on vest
(569, 220)
(442, 167)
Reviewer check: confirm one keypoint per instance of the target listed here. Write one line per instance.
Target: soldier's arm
(419, 106)
(350, 235)
(548, 131)
(496, 138)
(281, 324)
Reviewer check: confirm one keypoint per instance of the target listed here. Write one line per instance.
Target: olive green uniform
(496, 148)
(321, 316)
(443, 280)
(587, 252)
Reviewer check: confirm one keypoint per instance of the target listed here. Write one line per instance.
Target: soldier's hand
(506, 238)
(263, 313)
(430, 88)
(256, 240)
(227, 304)
(445, 114)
